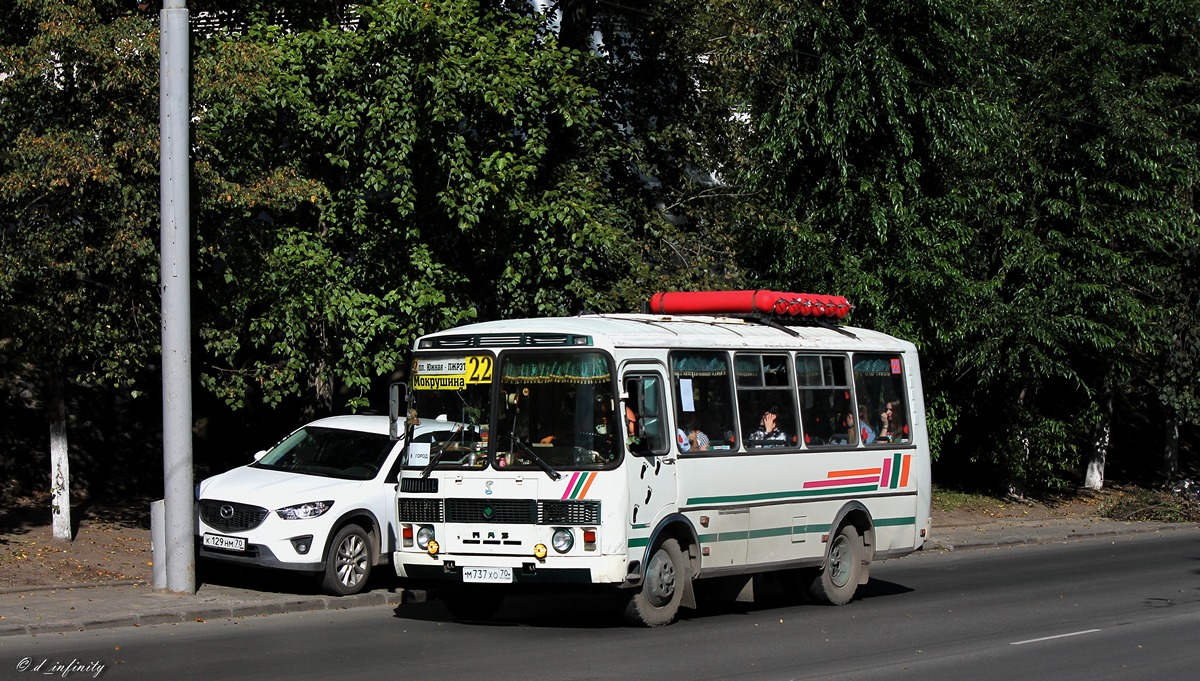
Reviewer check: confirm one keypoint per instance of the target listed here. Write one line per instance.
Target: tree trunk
(1094, 479)
(1170, 468)
(60, 469)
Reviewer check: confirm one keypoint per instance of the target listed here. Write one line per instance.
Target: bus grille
(419, 510)
(505, 511)
(569, 512)
(491, 510)
(419, 485)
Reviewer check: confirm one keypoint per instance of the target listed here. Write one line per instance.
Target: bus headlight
(562, 540)
(424, 536)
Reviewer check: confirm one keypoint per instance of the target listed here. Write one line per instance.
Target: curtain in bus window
(698, 364)
(866, 365)
(559, 369)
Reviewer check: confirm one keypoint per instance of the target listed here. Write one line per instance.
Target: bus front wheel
(836, 582)
(657, 602)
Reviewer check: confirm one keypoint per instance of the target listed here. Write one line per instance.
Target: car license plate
(216, 541)
(487, 575)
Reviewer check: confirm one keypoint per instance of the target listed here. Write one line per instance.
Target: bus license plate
(487, 575)
(216, 541)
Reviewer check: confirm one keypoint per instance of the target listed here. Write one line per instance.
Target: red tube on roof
(749, 302)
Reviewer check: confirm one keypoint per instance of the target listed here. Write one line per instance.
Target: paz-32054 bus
(720, 434)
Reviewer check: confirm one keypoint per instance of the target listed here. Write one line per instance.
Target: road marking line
(1051, 638)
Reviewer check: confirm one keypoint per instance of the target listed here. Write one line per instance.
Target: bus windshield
(457, 390)
(557, 409)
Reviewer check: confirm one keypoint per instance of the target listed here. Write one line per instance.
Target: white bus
(725, 434)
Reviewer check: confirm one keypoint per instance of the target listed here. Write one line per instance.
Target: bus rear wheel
(657, 602)
(836, 582)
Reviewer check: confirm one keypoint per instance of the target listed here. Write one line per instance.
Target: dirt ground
(112, 542)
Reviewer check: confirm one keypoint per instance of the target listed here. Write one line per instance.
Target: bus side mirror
(397, 403)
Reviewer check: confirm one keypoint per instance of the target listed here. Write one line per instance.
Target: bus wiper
(554, 475)
(436, 457)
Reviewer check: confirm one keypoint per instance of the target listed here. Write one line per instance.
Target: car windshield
(329, 453)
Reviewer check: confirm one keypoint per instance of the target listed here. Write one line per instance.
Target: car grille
(509, 511)
(236, 518)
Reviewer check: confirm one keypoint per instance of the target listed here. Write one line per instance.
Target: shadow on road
(280, 581)
(582, 608)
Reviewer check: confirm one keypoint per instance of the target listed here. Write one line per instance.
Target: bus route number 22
(479, 369)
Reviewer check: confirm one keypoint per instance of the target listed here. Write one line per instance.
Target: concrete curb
(964, 538)
(111, 611)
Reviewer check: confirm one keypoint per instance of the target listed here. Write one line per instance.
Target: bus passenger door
(649, 438)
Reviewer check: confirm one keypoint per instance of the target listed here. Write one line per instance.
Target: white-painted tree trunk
(1171, 450)
(60, 469)
(1094, 477)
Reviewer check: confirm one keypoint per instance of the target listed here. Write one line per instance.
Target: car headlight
(311, 509)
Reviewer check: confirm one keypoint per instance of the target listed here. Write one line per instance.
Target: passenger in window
(769, 434)
(892, 419)
(691, 438)
(864, 425)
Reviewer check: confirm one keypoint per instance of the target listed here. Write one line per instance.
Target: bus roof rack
(773, 305)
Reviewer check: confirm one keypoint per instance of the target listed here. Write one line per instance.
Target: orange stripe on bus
(858, 472)
(591, 478)
(904, 470)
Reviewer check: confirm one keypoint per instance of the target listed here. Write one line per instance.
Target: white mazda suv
(321, 502)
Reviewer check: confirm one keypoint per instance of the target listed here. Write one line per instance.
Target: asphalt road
(1104, 608)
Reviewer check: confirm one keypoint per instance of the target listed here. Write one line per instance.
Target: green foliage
(1000, 182)
(442, 161)
(1010, 184)
(78, 189)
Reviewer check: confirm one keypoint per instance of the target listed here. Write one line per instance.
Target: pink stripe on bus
(841, 481)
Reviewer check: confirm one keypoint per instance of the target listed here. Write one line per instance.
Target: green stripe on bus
(579, 485)
(896, 460)
(895, 522)
(768, 532)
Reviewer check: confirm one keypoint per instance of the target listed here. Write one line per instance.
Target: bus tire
(657, 602)
(836, 582)
(473, 603)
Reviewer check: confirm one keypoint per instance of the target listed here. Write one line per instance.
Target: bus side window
(879, 386)
(645, 422)
(765, 405)
(825, 401)
(704, 397)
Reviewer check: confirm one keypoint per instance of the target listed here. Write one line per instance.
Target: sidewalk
(124, 604)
